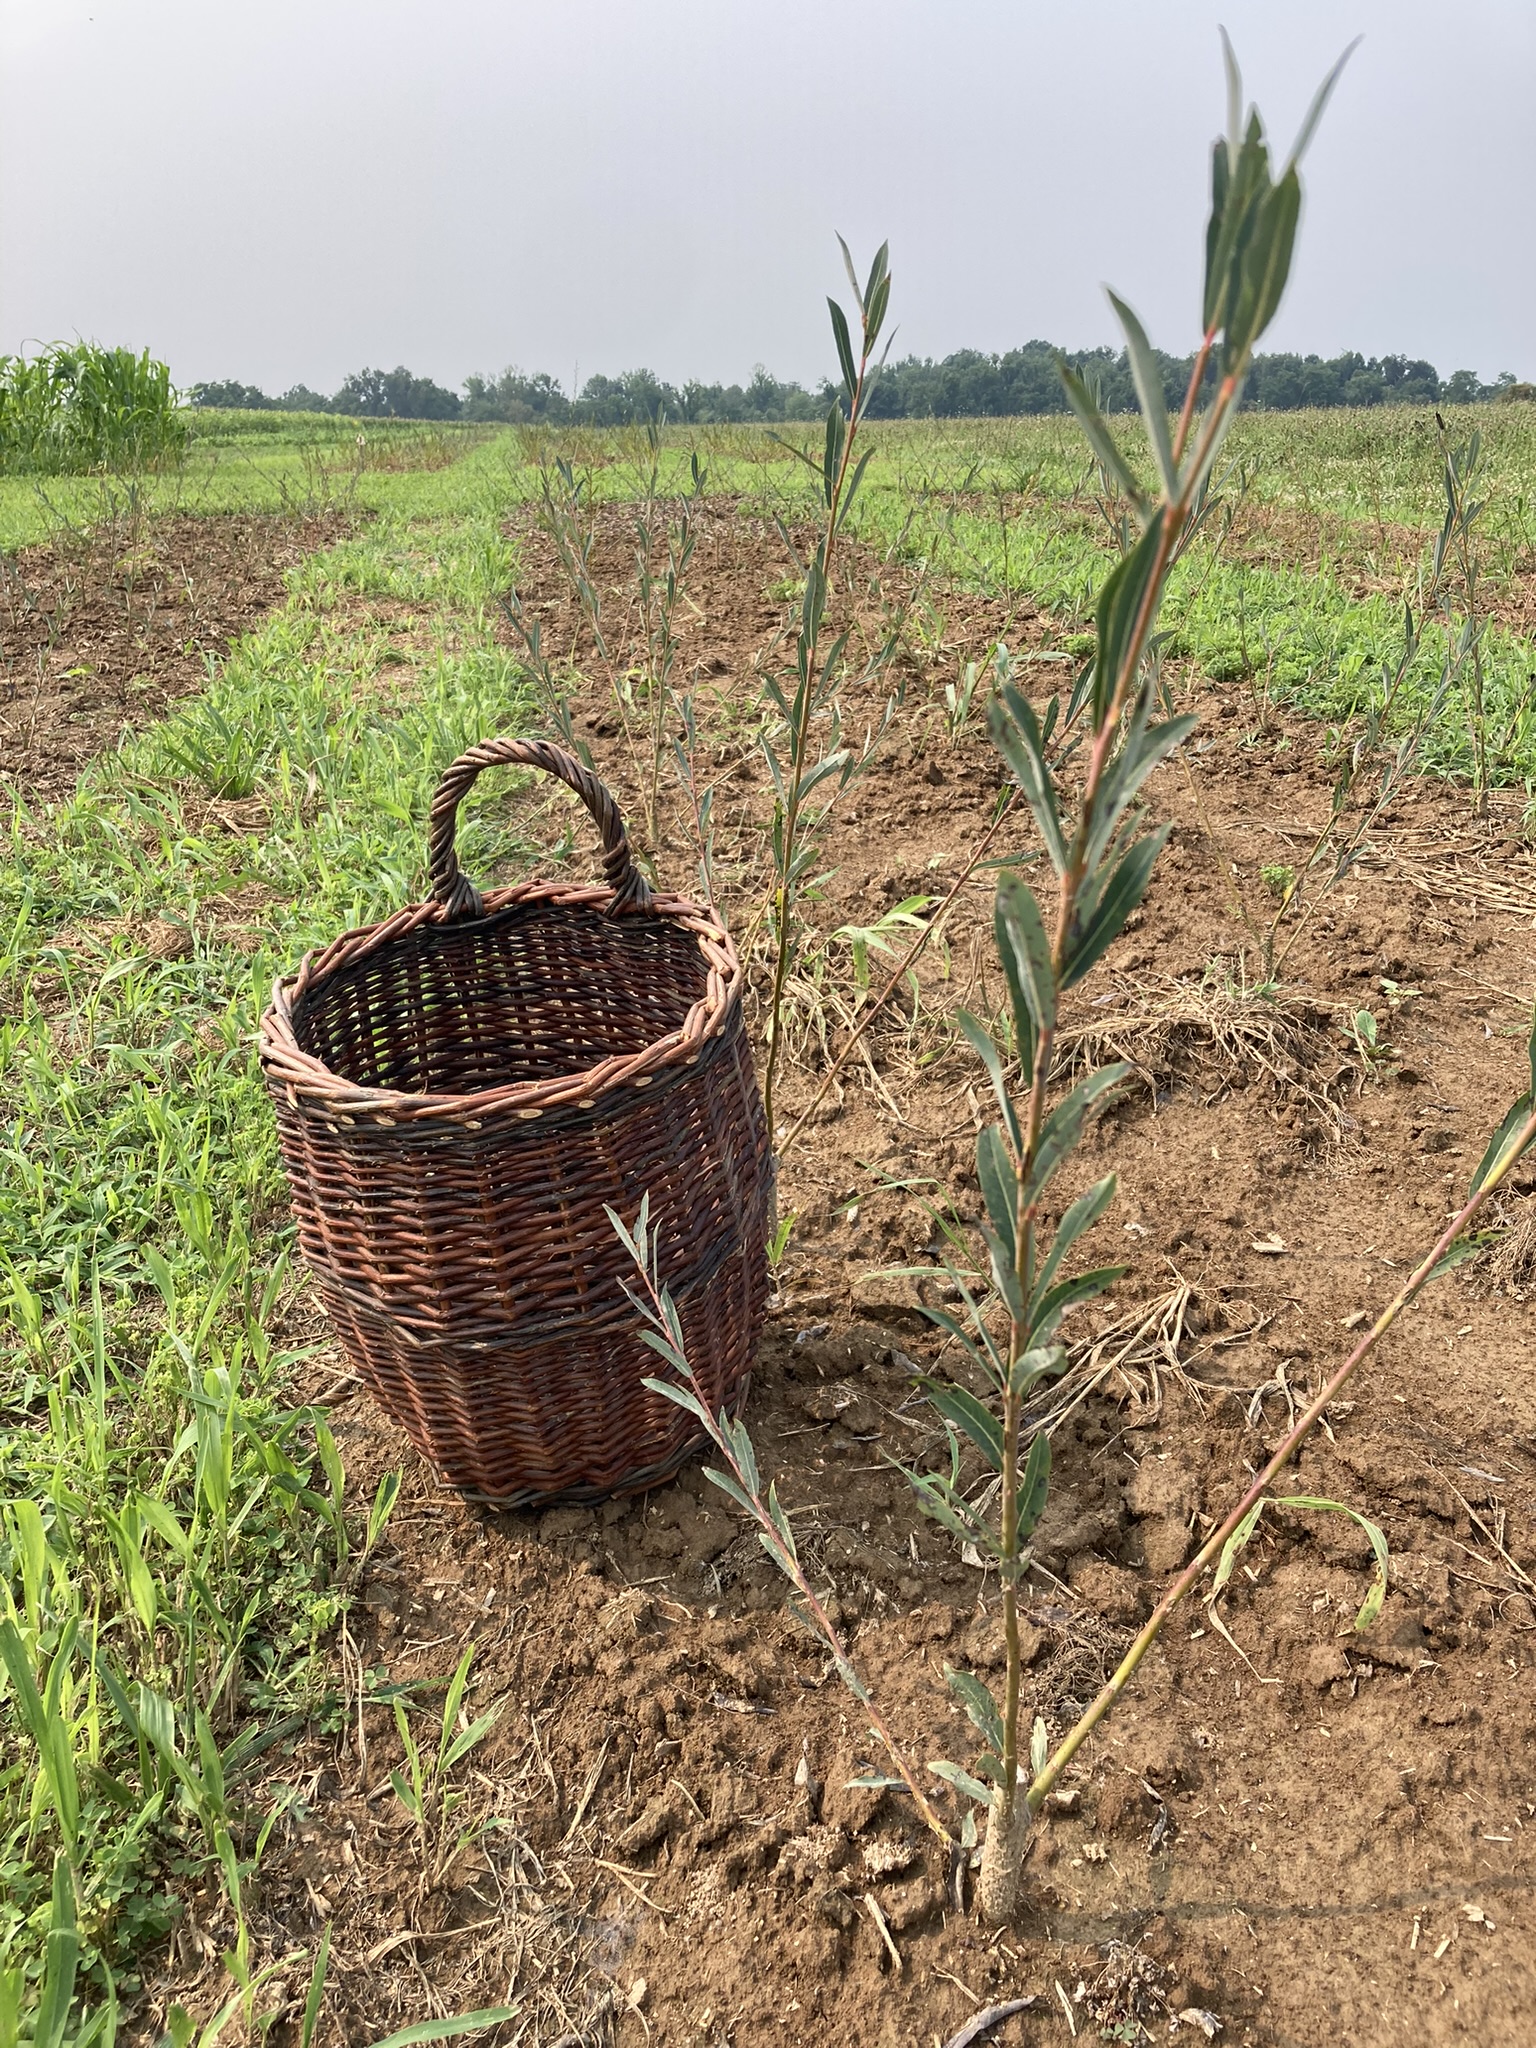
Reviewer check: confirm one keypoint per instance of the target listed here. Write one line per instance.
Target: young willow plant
(1102, 857)
(807, 754)
(1464, 473)
(740, 1480)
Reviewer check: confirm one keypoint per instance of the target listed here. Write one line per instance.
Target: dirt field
(101, 629)
(1324, 1837)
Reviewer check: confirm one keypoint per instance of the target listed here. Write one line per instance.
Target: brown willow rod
(903, 967)
(1211, 1548)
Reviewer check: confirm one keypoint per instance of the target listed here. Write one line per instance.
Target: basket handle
(452, 887)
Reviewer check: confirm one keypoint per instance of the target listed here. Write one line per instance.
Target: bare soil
(100, 629)
(1323, 1837)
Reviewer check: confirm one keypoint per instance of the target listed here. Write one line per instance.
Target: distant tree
(629, 400)
(1465, 387)
(232, 397)
(1408, 383)
(299, 398)
(516, 398)
(395, 394)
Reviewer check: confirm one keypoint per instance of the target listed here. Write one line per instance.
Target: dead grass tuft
(1511, 1265)
(1216, 1035)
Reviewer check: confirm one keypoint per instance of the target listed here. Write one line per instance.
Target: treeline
(367, 394)
(966, 385)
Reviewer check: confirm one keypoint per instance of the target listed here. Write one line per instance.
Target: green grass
(273, 462)
(1309, 635)
(171, 1548)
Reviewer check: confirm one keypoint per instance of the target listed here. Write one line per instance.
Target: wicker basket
(459, 1092)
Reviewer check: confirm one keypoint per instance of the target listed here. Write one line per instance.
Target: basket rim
(300, 1075)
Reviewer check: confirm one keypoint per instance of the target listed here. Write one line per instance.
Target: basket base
(565, 1419)
(528, 1498)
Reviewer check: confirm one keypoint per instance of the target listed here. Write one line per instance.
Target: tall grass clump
(78, 407)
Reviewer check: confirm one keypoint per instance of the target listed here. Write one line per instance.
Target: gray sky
(285, 190)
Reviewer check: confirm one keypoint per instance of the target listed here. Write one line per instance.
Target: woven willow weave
(459, 1092)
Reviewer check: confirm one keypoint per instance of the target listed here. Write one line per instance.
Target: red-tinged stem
(1175, 514)
(1192, 394)
(1214, 1544)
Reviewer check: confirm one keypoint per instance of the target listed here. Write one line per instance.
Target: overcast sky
(286, 190)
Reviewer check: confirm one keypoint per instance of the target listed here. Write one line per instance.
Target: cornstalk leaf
(1233, 1548)
(1371, 1606)
(1503, 1150)
(1462, 1249)
(1505, 1147)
